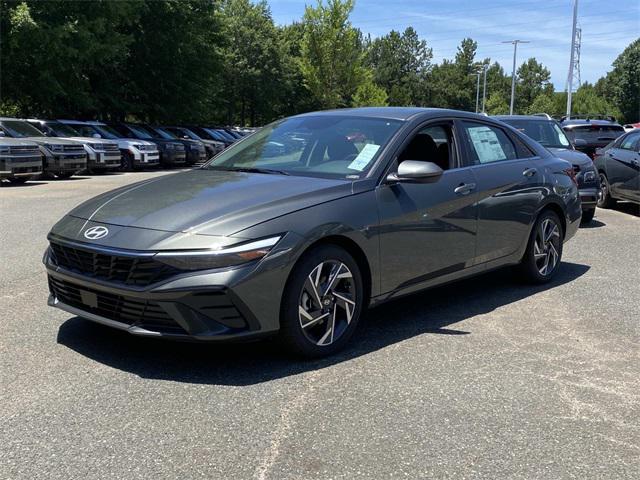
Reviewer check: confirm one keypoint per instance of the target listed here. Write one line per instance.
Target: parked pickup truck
(19, 160)
(135, 153)
(62, 157)
(101, 154)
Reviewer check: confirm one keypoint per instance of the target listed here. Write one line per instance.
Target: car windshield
(62, 130)
(140, 132)
(19, 129)
(226, 135)
(215, 135)
(547, 133)
(104, 131)
(329, 146)
(167, 135)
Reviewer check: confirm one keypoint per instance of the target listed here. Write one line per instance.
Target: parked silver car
(101, 154)
(62, 157)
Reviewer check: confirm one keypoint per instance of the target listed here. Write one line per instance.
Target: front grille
(26, 169)
(73, 148)
(106, 147)
(34, 158)
(127, 270)
(124, 309)
(25, 150)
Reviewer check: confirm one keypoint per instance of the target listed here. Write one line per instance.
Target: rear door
(508, 188)
(623, 167)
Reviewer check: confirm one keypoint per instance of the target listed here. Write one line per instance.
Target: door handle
(465, 188)
(530, 172)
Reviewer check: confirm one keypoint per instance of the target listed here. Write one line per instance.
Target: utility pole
(572, 61)
(478, 73)
(513, 72)
(484, 88)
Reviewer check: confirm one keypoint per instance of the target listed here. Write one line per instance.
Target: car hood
(91, 140)
(209, 202)
(50, 140)
(573, 156)
(15, 142)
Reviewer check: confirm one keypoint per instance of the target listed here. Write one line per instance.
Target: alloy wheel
(604, 190)
(327, 302)
(547, 246)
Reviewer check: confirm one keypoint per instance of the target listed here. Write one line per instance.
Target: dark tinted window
(488, 144)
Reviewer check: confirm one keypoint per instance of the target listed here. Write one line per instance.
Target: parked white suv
(135, 153)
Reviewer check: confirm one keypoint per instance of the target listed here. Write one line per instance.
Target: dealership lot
(484, 378)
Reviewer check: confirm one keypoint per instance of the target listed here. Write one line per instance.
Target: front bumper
(589, 197)
(215, 305)
(65, 163)
(173, 157)
(196, 156)
(106, 160)
(146, 159)
(20, 166)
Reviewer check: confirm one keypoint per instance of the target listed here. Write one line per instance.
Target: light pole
(513, 72)
(572, 59)
(484, 87)
(478, 73)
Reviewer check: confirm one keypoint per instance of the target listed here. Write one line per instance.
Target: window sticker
(486, 143)
(364, 157)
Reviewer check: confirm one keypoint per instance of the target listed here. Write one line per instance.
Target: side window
(431, 144)
(630, 142)
(488, 144)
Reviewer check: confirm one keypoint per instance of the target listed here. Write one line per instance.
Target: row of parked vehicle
(62, 148)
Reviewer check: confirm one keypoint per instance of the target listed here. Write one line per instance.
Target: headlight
(590, 176)
(170, 146)
(54, 147)
(224, 257)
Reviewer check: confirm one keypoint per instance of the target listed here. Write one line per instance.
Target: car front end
(101, 154)
(143, 154)
(586, 176)
(172, 153)
(62, 157)
(19, 160)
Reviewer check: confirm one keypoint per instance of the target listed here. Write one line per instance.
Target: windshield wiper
(268, 171)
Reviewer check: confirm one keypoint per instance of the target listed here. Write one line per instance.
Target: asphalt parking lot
(486, 378)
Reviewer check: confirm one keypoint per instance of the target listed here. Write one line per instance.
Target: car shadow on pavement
(629, 208)
(430, 312)
(594, 224)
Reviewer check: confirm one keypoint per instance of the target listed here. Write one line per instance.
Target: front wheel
(64, 175)
(18, 180)
(587, 216)
(544, 250)
(322, 303)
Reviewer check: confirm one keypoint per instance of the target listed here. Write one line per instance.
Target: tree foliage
(226, 61)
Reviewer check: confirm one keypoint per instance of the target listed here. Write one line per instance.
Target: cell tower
(574, 62)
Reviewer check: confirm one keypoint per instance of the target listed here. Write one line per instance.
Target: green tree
(400, 62)
(532, 80)
(332, 57)
(497, 104)
(586, 100)
(453, 84)
(368, 94)
(621, 86)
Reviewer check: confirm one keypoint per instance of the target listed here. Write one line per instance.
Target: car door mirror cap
(415, 171)
(579, 142)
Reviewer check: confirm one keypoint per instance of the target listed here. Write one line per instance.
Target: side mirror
(580, 142)
(96, 135)
(415, 171)
(2, 133)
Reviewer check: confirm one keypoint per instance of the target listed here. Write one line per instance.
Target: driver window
(431, 144)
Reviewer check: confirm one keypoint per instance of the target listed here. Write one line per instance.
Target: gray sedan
(365, 205)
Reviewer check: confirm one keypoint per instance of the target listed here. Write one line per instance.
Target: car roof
(570, 122)
(506, 118)
(392, 113)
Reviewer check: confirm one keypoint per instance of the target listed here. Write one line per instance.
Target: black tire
(126, 163)
(64, 175)
(587, 216)
(315, 340)
(18, 180)
(532, 264)
(604, 198)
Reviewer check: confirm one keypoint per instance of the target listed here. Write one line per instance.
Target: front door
(427, 229)
(623, 167)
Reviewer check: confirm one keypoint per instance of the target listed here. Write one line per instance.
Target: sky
(607, 28)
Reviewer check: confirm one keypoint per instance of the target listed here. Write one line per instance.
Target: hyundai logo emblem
(94, 233)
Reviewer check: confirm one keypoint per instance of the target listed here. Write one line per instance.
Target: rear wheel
(587, 216)
(322, 303)
(544, 250)
(604, 196)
